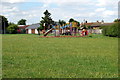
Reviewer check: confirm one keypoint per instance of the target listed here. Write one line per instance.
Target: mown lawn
(28, 56)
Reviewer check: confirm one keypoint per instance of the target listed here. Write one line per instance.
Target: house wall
(97, 31)
(29, 31)
(33, 31)
(36, 32)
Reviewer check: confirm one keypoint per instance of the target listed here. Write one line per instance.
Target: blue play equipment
(54, 28)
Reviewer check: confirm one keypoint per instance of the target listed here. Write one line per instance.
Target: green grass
(28, 56)
(0, 56)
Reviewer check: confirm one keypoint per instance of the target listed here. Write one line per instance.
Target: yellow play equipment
(74, 24)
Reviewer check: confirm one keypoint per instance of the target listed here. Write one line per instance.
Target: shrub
(21, 31)
(104, 31)
(12, 29)
(112, 30)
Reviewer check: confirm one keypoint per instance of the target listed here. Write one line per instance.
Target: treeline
(7, 27)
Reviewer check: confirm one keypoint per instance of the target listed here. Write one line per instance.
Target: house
(21, 28)
(96, 25)
(88, 24)
(107, 24)
(32, 29)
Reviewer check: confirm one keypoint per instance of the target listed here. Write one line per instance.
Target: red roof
(89, 24)
(23, 26)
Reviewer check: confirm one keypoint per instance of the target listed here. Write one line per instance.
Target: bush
(112, 30)
(12, 29)
(104, 31)
(23, 31)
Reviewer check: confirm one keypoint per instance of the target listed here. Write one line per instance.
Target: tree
(40, 29)
(3, 24)
(62, 22)
(12, 29)
(10, 23)
(117, 20)
(46, 21)
(78, 23)
(71, 20)
(22, 22)
(102, 21)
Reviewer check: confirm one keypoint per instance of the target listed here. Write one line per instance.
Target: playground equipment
(68, 29)
(45, 34)
(84, 32)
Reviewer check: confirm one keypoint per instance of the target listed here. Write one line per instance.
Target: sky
(32, 10)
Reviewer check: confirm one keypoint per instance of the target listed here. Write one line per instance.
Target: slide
(45, 34)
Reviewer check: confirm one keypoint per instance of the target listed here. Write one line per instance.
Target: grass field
(28, 56)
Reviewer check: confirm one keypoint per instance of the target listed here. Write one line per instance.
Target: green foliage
(23, 31)
(12, 29)
(112, 30)
(84, 27)
(105, 31)
(22, 22)
(10, 23)
(89, 27)
(117, 20)
(78, 23)
(71, 20)
(28, 56)
(3, 24)
(62, 22)
(47, 20)
(40, 28)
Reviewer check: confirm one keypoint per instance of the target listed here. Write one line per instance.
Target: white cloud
(108, 13)
(100, 9)
(102, 3)
(6, 9)
(91, 14)
(13, 1)
(78, 9)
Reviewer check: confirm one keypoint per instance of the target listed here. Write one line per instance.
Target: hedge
(112, 30)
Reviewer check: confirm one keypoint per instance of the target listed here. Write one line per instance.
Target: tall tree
(46, 20)
(22, 22)
(3, 24)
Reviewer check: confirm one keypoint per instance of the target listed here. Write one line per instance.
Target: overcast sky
(32, 10)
